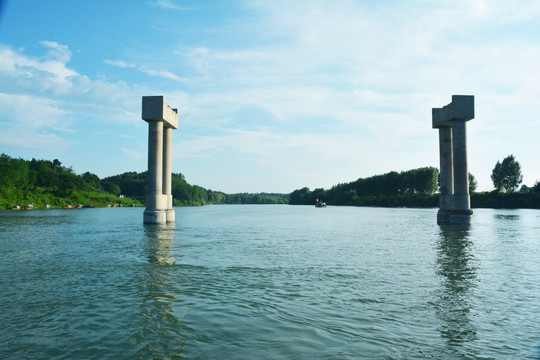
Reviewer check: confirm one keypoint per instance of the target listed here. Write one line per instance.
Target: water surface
(269, 282)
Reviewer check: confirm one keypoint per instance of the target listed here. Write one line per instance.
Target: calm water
(269, 282)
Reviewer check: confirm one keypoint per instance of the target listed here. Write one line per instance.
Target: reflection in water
(506, 217)
(158, 331)
(455, 265)
(159, 243)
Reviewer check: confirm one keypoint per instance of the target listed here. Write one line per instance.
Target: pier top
(155, 109)
(461, 108)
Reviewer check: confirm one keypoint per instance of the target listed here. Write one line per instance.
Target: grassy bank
(40, 197)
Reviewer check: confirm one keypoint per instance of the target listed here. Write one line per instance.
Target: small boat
(16, 207)
(29, 207)
(320, 204)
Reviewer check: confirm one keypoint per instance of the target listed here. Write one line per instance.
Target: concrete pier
(454, 201)
(161, 121)
(167, 165)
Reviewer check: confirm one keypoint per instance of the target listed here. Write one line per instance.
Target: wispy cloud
(168, 4)
(370, 70)
(57, 51)
(27, 111)
(49, 72)
(345, 87)
(34, 122)
(134, 154)
(164, 74)
(42, 98)
(119, 63)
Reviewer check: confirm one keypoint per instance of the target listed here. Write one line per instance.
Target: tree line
(133, 184)
(419, 188)
(406, 188)
(44, 182)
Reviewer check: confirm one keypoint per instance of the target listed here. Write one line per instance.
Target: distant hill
(47, 183)
(44, 182)
(133, 184)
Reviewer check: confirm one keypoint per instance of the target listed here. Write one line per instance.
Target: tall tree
(536, 187)
(506, 176)
(473, 184)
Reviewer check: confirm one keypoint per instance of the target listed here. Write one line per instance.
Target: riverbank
(485, 200)
(41, 198)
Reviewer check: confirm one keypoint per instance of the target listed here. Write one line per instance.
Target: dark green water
(269, 282)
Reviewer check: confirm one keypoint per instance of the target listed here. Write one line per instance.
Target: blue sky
(272, 95)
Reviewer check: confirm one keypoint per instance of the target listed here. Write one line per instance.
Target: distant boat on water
(320, 203)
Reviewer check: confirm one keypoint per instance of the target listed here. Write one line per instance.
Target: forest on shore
(44, 183)
(413, 188)
(49, 183)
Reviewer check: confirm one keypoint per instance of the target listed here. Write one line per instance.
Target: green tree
(536, 187)
(506, 176)
(301, 197)
(92, 180)
(13, 172)
(473, 184)
(112, 188)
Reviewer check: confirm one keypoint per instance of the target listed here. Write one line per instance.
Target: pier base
(155, 216)
(454, 216)
(169, 214)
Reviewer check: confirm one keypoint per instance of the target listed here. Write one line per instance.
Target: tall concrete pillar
(461, 173)
(161, 121)
(167, 165)
(454, 201)
(155, 202)
(446, 177)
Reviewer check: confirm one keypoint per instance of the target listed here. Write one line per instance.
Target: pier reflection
(158, 333)
(457, 270)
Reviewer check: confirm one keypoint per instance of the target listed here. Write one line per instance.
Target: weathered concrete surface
(446, 179)
(461, 108)
(461, 171)
(161, 121)
(167, 166)
(454, 200)
(154, 108)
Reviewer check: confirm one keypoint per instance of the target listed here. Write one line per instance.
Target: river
(269, 282)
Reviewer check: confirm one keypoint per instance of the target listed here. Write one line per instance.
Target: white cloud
(343, 83)
(25, 111)
(165, 74)
(14, 138)
(58, 51)
(43, 101)
(134, 154)
(374, 70)
(168, 4)
(48, 73)
(120, 63)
